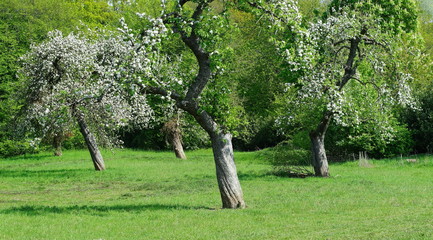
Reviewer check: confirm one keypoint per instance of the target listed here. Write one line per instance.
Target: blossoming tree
(352, 45)
(200, 30)
(73, 80)
(198, 27)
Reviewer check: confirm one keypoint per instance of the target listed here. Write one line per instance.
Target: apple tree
(72, 80)
(345, 58)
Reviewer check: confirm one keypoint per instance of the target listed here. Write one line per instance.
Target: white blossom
(73, 71)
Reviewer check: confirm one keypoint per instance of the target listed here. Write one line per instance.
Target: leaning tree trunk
(227, 176)
(97, 159)
(174, 137)
(228, 182)
(57, 144)
(176, 142)
(317, 137)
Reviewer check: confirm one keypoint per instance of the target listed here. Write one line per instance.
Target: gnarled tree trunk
(319, 161)
(176, 142)
(174, 137)
(97, 159)
(317, 137)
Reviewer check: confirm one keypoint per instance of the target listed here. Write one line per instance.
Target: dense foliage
(26, 22)
(277, 68)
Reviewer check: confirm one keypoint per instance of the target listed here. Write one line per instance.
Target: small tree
(70, 80)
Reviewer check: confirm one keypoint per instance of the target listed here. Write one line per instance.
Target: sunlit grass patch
(153, 195)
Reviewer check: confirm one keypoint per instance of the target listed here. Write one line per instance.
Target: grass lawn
(152, 195)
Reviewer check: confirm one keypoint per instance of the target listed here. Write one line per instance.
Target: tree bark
(174, 137)
(57, 144)
(317, 137)
(227, 177)
(228, 182)
(97, 159)
(319, 161)
(176, 142)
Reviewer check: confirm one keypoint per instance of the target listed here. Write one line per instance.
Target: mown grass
(152, 195)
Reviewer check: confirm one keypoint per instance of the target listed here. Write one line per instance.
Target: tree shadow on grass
(251, 175)
(43, 173)
(97, 210)
(35, 157)
(276, 172)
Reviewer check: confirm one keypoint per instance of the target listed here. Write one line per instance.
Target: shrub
(286, 154)
(288, 160)
(10, 148)
(395, 141)
(74, 140)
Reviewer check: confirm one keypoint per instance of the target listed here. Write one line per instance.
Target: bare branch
(369, 41)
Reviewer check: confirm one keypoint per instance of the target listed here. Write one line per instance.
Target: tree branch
(369, 41)
(270, 13)
(193, 43)
(342, 41)
(349, 67)
(203, 57)
(159, 91)
(323, 125)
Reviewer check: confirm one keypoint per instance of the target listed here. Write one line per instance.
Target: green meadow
(153, 195)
